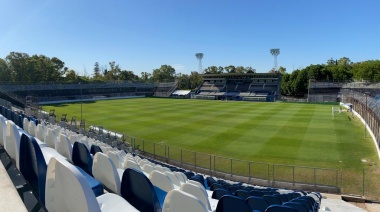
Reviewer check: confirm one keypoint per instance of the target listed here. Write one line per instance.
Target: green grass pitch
(281, 133)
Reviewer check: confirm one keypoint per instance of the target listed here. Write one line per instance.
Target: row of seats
(59, 163)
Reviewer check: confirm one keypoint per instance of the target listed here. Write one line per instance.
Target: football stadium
(162, 138)
(190, 106)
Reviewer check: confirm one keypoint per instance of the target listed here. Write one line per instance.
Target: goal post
(335, 110)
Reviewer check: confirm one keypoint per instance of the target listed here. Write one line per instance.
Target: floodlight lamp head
(199, 56)
(275, 52)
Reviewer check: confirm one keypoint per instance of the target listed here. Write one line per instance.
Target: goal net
(335, 110)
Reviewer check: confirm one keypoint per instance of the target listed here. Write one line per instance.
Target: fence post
(314, 178)
(154, 150)
(210, 164)
(195, 160)
(363, 182)
(249, 171)
(293, 175)
(181, 157)
(214, 164)
(273, 174)
(268, 171)
(143, 146)
(231, 166)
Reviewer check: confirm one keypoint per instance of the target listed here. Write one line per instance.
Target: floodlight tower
(275, 53)
(199, 56)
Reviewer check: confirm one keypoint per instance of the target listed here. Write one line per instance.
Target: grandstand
(324, 91)
(47, 92)
(263, 87)
(66, 171)
(165, 89)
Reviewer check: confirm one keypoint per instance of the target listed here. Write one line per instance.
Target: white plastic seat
(132, 164)
(25, 124)
(180, 177)
(177, 200)
(200, 193)
(173, 178)
(106, 172)
(147, 168)
(32, 128)
(115, 159)
(40, 133)
(64, 147)
(161, 181)
(67, 190)
(12, 142)
(3, 130)
(50, 138)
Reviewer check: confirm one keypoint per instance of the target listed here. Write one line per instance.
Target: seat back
(115, 159)
(148, 168)
(82, 157)
(94, 149)
(137, 189)
(40, 134)
(177, 200)
(32, 128)
(272, 200)
(50, 138)
(3, 130)
(12, 142)
(25, 124)
(242, 194)
(105, 171)
(174, 178)
(64, 147)
(257, 203)
(32, 164)
(132, 165)
(197, 191)
(216, 186)
(180, 176)
(229, 203)
(161, 181)
(299, 206)
(219, 193)
(67, 190)
(256, 193)
(280, 208)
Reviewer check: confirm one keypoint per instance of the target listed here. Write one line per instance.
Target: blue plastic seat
(137, 189)
(229, 203)
(257, 203)
(94, 149)
(299, 206)
(215, 186)
(219, 193)
(32, 165)
(273, 200)
(280, 208)
(242, 194)
(256, 193)
(94, 184)
(82, 157)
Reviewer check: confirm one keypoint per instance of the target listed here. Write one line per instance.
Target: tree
(195, 80)
(240, 70)
(128, 75)
(368, 71)
(5, 75)
(145, 76)
(230, 69)
(165, 73)
(71, 75)
(183, 81)
(97, 74)
(282, 70)
(249, 69)
(211, 70)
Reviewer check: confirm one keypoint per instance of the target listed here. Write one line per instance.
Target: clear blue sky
(141, 35)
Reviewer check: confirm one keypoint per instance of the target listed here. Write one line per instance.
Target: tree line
(20, 67)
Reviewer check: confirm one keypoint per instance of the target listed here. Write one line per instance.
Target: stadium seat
(64, 147)
(115, 159)
(147, 168)
(242, 194)
(67, 190)
(306, 203)
(161, 181)
(173, 178)
(299, 206)
(137, 189)
(82, 158)
(177, 200)
(12, 142)
(32, 128)
(219, 193)
(33, 165)
(199, 178)
(40, 133)
(132, 164)
(181, 176)
(3, 130)
(272, 200)
(229, 203)
(256, 193)
(50, 138)
(105, 171)
(200, 193)
(280, 208)
(257, 203)
(216, 186)
(25, 124)
(94, 149)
